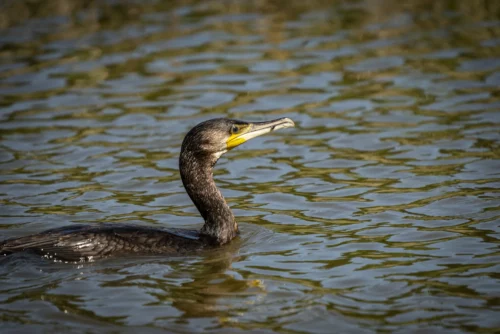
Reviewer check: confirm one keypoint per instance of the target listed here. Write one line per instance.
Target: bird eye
(235, 129)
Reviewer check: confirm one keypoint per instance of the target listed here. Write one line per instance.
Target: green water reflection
(379, 212)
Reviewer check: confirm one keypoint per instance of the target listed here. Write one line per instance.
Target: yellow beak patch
(235, 140)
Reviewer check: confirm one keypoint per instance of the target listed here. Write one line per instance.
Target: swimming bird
(202, 146)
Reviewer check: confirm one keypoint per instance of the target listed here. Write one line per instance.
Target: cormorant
(202, 147)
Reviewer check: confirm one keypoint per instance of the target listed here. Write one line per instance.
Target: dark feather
(86, 242)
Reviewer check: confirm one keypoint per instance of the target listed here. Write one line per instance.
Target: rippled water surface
(379, 212)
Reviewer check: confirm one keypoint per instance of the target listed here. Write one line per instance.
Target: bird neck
(196, 173)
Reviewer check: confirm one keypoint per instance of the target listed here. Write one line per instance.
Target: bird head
(217, 136)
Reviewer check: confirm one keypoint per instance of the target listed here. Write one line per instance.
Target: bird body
(202, 147)
(79, 243)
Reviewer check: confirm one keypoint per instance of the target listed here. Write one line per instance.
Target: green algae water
(378, 213)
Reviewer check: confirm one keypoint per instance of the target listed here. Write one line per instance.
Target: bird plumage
(201, 148)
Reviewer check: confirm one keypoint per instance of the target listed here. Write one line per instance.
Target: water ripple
(377, 213)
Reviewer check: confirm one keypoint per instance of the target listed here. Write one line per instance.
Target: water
(379, 212)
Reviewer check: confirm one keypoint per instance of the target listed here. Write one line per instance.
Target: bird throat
(196, 173)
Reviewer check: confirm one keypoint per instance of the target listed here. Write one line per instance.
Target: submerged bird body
(89, 242)
(201, 148)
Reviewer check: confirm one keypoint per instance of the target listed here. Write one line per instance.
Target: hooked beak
(257, 129)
